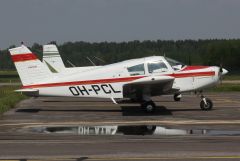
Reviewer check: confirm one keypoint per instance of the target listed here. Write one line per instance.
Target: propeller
(221, 72)
(221, 68)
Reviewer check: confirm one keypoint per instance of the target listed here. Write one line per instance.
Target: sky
(43, 21)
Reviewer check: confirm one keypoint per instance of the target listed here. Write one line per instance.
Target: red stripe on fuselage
(193, 68)
(86, 82)
(195, 74)
(23, 57)
(116, 80)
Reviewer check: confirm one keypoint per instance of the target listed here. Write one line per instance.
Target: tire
(176, 97)
(149, 106)
(206, 107)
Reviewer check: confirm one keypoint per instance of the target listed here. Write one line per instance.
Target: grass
(231, 77)
(8, 76)
(225, 88)
(10, 80)
(8, 72)
(9, 98)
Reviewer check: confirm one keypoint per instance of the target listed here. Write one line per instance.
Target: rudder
(30, 69)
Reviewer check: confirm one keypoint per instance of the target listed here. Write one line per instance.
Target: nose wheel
(206, 104)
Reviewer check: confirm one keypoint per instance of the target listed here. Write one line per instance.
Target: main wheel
(149, 106)
(177, 97)
(206, 106)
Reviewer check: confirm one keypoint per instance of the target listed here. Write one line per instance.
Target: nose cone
(224, 71)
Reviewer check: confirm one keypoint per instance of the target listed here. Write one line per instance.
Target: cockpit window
(136, 70)
(157, 67)
(176, 65)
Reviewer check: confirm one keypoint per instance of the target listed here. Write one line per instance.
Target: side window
(136, 70)
(157, 67)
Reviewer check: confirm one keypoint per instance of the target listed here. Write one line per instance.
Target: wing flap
(152, 85)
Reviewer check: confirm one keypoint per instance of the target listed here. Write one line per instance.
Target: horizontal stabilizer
(29, 92)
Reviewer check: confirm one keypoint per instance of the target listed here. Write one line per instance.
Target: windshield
(157, 67)
(176, 65)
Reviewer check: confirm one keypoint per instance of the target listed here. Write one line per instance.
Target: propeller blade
(221, 68)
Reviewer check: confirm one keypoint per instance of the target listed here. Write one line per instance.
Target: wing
(152, 86)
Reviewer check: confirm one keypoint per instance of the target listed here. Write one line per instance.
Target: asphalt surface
(18, 140)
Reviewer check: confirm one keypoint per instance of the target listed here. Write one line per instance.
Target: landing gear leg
(206, 103)
(177, 97)
(148, 105)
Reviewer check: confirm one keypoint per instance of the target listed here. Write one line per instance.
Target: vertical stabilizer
(30, 69)
(52, 58)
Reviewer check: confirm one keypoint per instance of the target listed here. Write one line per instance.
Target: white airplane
(138, 79)
(53, 60)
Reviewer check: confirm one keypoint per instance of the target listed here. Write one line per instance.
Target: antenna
(99, 59)
(91, 61)
(70, 63)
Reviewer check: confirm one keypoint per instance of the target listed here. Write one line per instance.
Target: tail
(52, 58)
(30, 69)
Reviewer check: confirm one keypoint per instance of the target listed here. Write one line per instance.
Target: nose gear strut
(206, 104)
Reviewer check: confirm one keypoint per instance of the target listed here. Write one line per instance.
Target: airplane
(137, 79)
(52, 58)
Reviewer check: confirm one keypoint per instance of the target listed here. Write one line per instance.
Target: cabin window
(157, 67)
(136, 70)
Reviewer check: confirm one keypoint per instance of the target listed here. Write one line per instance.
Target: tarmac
(55, 128)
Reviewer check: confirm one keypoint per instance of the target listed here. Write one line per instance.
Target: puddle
(130, 130)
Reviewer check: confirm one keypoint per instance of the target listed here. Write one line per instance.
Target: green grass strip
(225, 88)
(9, 98)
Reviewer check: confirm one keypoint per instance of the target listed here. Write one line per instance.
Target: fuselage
(108, 81)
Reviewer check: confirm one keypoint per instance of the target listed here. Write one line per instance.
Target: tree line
(192, 52)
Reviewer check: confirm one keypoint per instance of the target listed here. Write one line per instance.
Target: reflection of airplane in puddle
(137, 79)
(116, 130)
(132, 130)
(82, 130)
